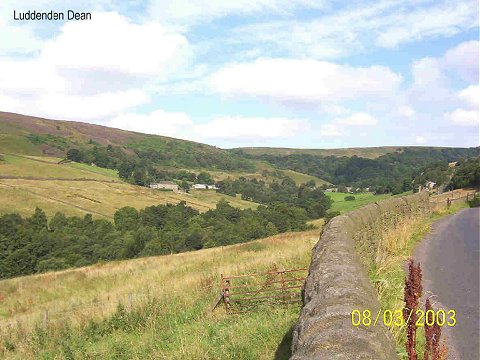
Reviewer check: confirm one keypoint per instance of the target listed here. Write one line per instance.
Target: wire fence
(449, 198)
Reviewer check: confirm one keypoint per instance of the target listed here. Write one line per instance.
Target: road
(449, 257)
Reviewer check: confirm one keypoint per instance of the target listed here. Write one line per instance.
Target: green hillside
(28, 135)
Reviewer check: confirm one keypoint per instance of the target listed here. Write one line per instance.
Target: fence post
(282, 276)
(45, 318)
(226, 292)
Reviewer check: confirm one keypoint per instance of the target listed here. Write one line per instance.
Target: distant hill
(34, 136)
(365, 152)
(29, 135)
(140, 158)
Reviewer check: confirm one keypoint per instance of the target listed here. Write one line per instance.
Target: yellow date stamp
(396, 317)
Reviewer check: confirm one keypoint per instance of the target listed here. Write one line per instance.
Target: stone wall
(338, 283)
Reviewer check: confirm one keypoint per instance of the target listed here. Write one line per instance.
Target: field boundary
(338, 283)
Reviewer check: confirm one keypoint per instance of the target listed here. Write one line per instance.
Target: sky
(297, 73)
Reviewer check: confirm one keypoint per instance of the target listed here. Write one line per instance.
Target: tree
(139, 176)
(20, 262)
(185, 186)
(125, 170)
(204, 178)
(75, 155)
(38, 220)
(126, 218)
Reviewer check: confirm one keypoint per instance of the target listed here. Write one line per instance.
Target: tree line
(389, 173)
(306, 196)
(141, 164)
(35, 244)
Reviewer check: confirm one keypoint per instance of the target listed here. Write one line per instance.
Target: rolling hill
(77, 189)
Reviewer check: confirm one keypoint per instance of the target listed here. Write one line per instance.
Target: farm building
(167, 185)
(331, 190)
(204, 187)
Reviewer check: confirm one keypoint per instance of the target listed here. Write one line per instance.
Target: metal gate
(242, 293)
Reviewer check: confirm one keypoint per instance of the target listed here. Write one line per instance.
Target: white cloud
(331, 130)
(70, 107)
(239, 128)
(190, 12)
(470, 95)
(463, 117)
(463, 59)
(420, 140)
(340, 127)
(306, 81)
(93, 69)
(358, 119)
(340, 31)
(110, 42)
(159, 122)
(442, 19)
(433, 77)
(406, 111)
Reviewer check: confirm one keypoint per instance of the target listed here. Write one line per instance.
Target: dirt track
(449, 257)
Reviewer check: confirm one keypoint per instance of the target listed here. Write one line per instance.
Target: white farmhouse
(166, 185)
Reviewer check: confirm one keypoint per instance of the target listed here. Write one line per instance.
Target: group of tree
(306, 196)
(439, 172)
(36, 244)
(136, 170)
(389, 173)
(140, 162)
(467, 173)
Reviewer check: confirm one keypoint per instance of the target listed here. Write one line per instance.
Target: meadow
(167, 314)
(361, 199)
(77, 189)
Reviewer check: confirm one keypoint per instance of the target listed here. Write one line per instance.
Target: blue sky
(302, 73)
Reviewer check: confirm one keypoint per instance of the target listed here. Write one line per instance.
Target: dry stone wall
(338, 283)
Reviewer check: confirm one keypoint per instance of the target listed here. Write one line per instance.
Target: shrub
(475, 202)
(330, 215)
(349, 198)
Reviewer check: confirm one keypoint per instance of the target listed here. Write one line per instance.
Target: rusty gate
(242, 293)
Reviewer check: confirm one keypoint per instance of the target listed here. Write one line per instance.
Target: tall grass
(388, 271)
(170, 315)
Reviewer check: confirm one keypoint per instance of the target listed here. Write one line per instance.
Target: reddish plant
(443, 353)
(436, 334)
(428, 330)
(413, 292)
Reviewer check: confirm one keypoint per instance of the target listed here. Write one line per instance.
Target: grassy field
(303, 178)
(42, 167)
(171, 303)
(362, 199)
(17, 144)
(77, 189)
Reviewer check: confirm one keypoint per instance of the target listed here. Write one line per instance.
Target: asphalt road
(449, 257)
